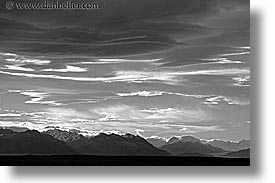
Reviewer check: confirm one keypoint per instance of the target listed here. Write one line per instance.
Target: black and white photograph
(125, 82)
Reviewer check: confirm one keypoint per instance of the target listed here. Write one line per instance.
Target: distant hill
(229, 145)
(245, 153)
(158, 142)
(183, 139)
(222, 144)
(31, 142)
(108, 144)
(179, 148)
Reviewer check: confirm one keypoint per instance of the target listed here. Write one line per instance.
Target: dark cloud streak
(119, 28)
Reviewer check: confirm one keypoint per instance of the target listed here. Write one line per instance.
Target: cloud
(120, 27)
(157, 34)
(110, 119)
(172, 76)
(17, 59)
(69, 113)
(206, 99)
(215, 100)
(119, 113)
(241, 80)
(116, 60)
(236, 54)
(139, 132)
(131, 113)
(198, 129)
(156, 137)
(37, 98)
(68, 68)
(17, 68)
(63, 97)
(124, 12)
(221, 60)
(159, 93)
(176, 114)
(110, 12)
(141, 94)
(10, 115)
(128, 115)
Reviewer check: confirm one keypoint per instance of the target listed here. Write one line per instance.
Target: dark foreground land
(76, 160)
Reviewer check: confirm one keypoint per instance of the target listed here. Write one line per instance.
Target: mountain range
(181, 148)
(158, 142)
(225, 145)
(230, 145)
(31, 142)
(107, 144)
(56, 141)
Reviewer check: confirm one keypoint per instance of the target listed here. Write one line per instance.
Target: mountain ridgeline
(31, 142)
(107, 144)
(186, 145)
(58, 142)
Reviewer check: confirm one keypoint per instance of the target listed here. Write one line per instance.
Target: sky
(147, 67)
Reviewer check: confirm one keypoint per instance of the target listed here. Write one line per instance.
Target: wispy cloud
(127, 115)
(17, 59)
(115, 119)
(141, 94)
(120, 60)
(198, 129)
(63, 97)
(117, 60)
(241, 80)
(17, 68)
(229, 100)
(222, 60)
(131, 113)
(159, 93)
(68, 68)
(36, 97)
(236, 54)
(69, 113)
(170, 77)
(10, 115)
(206, 99)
